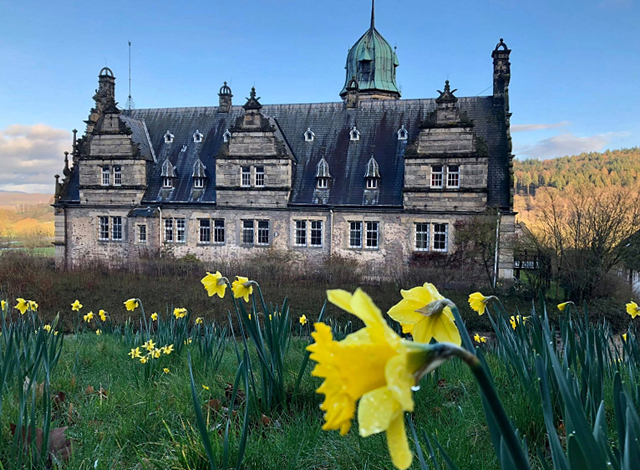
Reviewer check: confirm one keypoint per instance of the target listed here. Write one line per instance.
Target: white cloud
(30, 156)
(565, 144)
(537, 127)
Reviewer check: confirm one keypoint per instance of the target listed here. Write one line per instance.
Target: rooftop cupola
(225, 98)
(253, 119)
(372, 62)
(105, 96)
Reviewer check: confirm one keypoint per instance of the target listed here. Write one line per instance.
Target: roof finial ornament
(373, 14)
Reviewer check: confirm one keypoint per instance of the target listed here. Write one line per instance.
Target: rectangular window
(105, 176)
(372, 183)
(301, 233)
(453, 176)
(116, 228)
(316, 233)
(245, 179)
(168, 230)
(247, 232)
(117, 176)
(436, 176)
(372, 234)
(142, 234)
(323, 183)
(218, 231)
(167, 182)
(259, 176)
(355, 234)
(440, 237)
(422, 236)
(198, 183)
(181, 228)
(205, 231)
(103, 231)
(263, 232)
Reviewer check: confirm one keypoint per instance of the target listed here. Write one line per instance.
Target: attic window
(403, 134)
(167, 182)
(354, 134)
(198, 183)
(372, 183)
(197, 137)
(168, 137)
(309, 135)
(322, 183)
(226, 136)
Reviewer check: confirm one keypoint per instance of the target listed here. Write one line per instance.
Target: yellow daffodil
(199, 321)
(215, 284)
(624, 336)
(179, 312)
(149, 345)
(242, 287)
(103, 315)
(131, 304)
(3, 304)
(517, 320)
(22, 305)
(303, 320)
(154, 317)
(76, 306)
(167, 349)
(188, 341)
(156, 353)
(98, 332)
(166, 370)
(373, 365)
(135, 353)
(33, 305)
(270, 317)
(478, 302)
(563, 305)
(205, 387)
(480, 339)
(88, 317)
(144, 359)
(632, 309)
(421, 319)
(47, 328)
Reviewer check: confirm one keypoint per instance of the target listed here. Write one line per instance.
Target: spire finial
(373, 14)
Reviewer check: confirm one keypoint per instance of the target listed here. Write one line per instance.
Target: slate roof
(377, 122)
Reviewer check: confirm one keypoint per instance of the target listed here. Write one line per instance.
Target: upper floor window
(168, 137)
(355, 234)
(436, 176)
(105, 176)
(167, 182)
(354, 134)
(309, 135)
(259, 176)
(117, 176)
(422, 236)
(245, 176)
(197, 137)
(440, 237)
(453, 176)
(403, 134)
(373, 235)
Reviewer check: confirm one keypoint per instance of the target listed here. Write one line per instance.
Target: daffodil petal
(445, 331)
(340, 298)
(398, 443)
(366, 310)
(422, 331)
(400, 381)
(375, 411)
(405, 313)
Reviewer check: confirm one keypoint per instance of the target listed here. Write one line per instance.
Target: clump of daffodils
(152, 351)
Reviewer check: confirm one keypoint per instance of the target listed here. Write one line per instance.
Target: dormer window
(403, 134)
(309, 135)
(372, 183)
(198, 183)
(168, 137)
(372, 175)
(354, 134)
(167, 182)
(322, 174)
(197, 137)
(199, 174)
(322, 183)
(226, 136)
(168, 174)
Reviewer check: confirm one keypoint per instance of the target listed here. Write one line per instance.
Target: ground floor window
(422, 236)
(116, 228)
(308, 233)
(103, 230)
(218, 231)
(263, 232)
(425, 232)
(373, 235)
(355, 234)
(142, 234)
(255, 232)
(204, 235)
(168, 230)
(440, 237)
(301, 233)
(316, 233)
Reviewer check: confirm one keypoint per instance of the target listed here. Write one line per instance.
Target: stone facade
(374, 178)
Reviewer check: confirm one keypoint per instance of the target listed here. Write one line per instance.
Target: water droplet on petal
(415, 388)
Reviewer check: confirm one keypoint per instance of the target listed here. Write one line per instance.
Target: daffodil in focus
(632, 309)
(417, 315)
(88, 317)
(22, 305)
(478, 302)
(135, 353)
(103, 315)
(215, 284)
(47, 328)
(76, 306)
(167, 349)
(303, 320)
(373, 365)
(154, 317)
(131, 304)
(199, 321)
(242, 287)
(480, 339)
(98, 332)
(33, 305)
(179, 312)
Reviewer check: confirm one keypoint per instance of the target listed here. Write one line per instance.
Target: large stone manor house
(371, 177)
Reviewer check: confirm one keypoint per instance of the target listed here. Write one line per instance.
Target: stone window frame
(139, 229)
(437, 234)
(245, 176)
(254, 230)
(105, 179)
(455, 174)
(103, 228)
(309, 229)
(435, 176)
(426, 234)
(258, 176)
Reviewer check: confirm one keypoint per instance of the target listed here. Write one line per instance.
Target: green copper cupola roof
(372, 61)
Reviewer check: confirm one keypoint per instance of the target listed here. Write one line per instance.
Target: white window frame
(322, 183)
(168, 137)
(436, 237)
(258, 176)
(226, 136)
(218, 232)
(204, 231)
(198, 182)
(181, 230)
(167, 182)
(117, 175)
(117, 228)
(309, 135)
(103, 228)
(316, 232)
(424, 245)
(372, 235)
(437, 175)
(142, 233)
(168, 231)
(453, 176)
(245, 176)
(403, 134)
(300, 233)
(260, 232)
(354, 134)
(372, 183)
(106, 176)
(197, 137)
(355, 231)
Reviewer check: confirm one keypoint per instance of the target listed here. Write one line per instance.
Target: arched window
(226, 136)
(197, 137)
(168, 137)
(309, 135)
(403, 134)
(354, 134)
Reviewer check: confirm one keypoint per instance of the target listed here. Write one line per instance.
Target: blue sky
(575, 64)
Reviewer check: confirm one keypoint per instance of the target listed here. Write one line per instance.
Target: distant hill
(25, 215)
(599, 169)
(16, 199)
